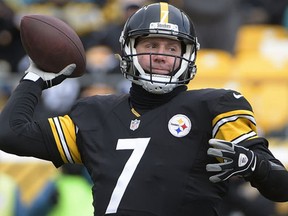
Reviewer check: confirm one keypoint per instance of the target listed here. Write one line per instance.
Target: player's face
(155, 62)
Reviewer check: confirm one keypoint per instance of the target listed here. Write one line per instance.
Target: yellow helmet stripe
(164, 12)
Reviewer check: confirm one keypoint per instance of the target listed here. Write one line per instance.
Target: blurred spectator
(101, 60)
(216, 21)
(10, 197)
(98, 2)
(109, 35)
(97, 89)
(102, 44)
(67, 94)
(83, 17)
(285, 18)
(68, 194)
(222, 18)
(4, 88)
(11, 49)
(102, 67)
(7, 82)
(264, 11)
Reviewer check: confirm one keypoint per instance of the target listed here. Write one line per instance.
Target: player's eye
(150, 46)
(172, 49)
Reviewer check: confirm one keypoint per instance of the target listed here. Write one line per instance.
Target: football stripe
(242, 121)
(69, 130)
(244, 137)
(57, 140)
(62, 140)
(221, 119)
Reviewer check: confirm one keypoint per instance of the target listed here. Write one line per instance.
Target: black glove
(237, 160)
(48, 79)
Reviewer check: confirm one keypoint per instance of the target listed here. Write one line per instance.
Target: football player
(160, 150)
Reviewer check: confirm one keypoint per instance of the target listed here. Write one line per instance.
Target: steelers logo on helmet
(179, 125)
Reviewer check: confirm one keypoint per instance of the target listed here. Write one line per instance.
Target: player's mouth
(160, 71)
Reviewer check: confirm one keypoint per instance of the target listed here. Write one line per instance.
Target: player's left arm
(240, 151)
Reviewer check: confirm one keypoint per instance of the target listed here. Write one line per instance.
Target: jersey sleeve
(233, 119)
(23, 135)
(64, 134)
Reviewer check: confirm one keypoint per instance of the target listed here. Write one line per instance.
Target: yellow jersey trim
(235, 126)
(64, 132)
(135, 112)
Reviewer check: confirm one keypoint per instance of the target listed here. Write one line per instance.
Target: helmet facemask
(182, 31)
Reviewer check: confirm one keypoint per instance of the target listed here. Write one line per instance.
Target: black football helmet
(159, 20)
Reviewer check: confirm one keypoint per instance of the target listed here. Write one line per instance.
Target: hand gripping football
(52, 44)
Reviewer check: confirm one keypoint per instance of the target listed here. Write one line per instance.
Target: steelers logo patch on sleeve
(179, 125)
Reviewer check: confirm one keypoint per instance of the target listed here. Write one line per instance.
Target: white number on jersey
(138, 145)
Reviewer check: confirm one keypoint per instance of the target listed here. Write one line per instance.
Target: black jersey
(153, 164)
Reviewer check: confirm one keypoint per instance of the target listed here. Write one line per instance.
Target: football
(52, 44)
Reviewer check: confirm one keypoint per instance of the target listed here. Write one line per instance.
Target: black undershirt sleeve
(270, 176)
(274, 185)
(19, 133)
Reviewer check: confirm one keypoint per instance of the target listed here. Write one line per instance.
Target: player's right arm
(20, 134)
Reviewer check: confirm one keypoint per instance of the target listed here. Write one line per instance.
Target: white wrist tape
(31, 76)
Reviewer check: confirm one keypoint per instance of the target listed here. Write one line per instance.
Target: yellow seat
(269, 100)
(255, 66)
(262, 77)
(251, 37)
(213, 69)
(31, 176)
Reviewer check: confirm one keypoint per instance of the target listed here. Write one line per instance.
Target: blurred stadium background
(256, 65)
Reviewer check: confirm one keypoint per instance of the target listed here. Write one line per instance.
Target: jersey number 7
(139, 146)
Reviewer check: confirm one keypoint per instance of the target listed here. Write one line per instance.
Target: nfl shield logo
(134, 124)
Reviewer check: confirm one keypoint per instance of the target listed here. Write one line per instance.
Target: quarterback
(160, 150)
